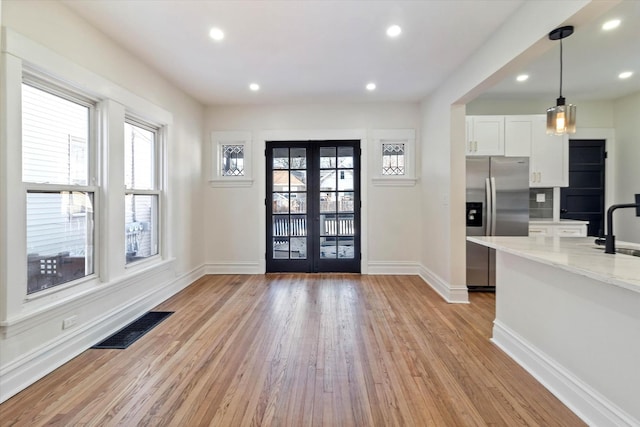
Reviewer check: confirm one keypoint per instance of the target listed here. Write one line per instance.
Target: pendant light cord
(560, 68)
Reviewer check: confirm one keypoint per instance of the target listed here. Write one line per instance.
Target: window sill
(394, 182)
(231, 182)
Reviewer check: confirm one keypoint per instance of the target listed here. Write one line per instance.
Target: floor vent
(134, 330)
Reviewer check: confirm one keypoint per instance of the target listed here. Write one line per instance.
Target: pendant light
(561, 119)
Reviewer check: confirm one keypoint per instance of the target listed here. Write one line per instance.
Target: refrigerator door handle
(487, 187)
(494, 206)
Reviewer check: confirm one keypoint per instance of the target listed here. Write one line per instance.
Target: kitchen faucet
(610, 239)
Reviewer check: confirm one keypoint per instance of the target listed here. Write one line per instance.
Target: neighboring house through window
(142, 190)
(57, 171)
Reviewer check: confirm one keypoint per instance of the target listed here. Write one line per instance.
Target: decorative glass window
(395, 157)
(56, 171)
(142, 194)
(232, 160)
(392, 159)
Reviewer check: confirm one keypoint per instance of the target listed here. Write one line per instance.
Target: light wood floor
(295, 350)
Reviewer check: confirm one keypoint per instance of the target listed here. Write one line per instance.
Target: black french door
(313, 206)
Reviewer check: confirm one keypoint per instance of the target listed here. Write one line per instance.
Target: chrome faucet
(610, 239)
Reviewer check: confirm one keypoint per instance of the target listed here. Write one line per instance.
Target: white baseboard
(593, 408)
(392, 268)
(452, 294)
(233, 268)
(21, 373)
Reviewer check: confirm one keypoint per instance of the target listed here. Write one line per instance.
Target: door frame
(610, 164)
(260, 140)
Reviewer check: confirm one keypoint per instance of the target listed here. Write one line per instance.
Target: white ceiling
(592, 59)
(327, 50)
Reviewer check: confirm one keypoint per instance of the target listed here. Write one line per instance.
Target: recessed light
(371, 86)
(522, 77)
(610, 25)
(216, 33)
(254, 87)
(394, 31)
(625, 74)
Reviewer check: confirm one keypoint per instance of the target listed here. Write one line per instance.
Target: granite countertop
(560, 222)
(579, 255)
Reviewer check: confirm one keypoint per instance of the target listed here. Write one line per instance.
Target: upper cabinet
(518, 131)
(522, 136)
(549, 162)
(485, 135)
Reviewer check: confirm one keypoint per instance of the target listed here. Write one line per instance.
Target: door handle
(563, 211)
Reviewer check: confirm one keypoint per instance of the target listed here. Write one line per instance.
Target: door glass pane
(345, 179)
(298, 180)
(298, 226)
(345, 202)
(345, 157)
(281, 225)
(280, 203)
(345, 225)
(327, 157)
(281, 180)
(281, 158)
(327, 202)
(280, 248)
(345, 247)
(328, 225)
(298, 158)
(298, 202)
(328, 248)
(327, 180)
(298, 248)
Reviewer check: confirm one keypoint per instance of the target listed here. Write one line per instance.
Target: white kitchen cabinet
(485, 135)
(549, 160)
(518, 135)
(564, 228)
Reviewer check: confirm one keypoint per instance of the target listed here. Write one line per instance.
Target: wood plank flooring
(299, 350)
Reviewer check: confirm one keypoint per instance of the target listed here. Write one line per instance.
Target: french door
(313, 206)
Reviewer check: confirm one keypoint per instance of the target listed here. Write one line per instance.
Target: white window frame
(19, 55)
(407, 137)
(45, 83)
(158, 183)
(220, 139)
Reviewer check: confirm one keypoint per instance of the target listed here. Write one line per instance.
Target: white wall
(518, 42)
(627, 181)
(33, 341)
(235, 217)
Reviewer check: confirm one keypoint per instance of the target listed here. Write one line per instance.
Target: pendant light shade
(561, 119)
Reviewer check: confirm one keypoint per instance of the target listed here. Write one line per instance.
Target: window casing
(58, 142)
(395, 157)
(231, 159)
(142, 190)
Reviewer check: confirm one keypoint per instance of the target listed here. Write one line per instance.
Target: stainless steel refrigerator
(497, 205)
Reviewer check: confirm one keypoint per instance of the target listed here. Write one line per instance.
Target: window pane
(233, 160)
(345, 180)
(298, 158)
(345, 202)
(298, 202)
(345, 157)
(55, 135)
(141, 226)
(327, 157)
(139, 158)
(393, 159)
(281, 158)
(59, 238)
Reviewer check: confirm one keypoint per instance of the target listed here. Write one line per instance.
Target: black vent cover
(134, 330)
